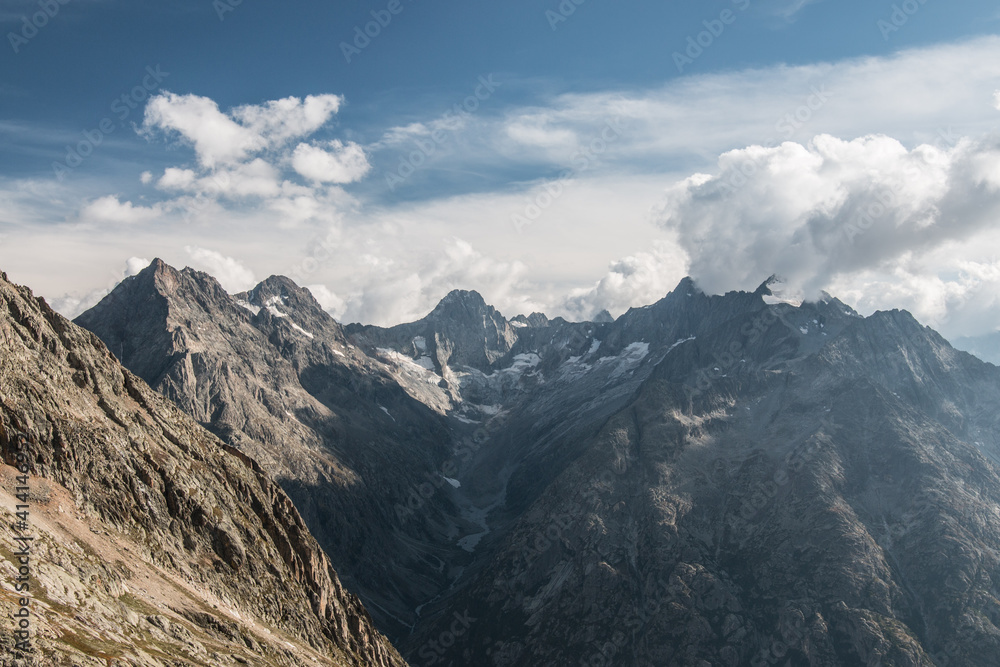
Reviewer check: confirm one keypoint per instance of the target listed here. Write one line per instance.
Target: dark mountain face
(154, 542)
(709, 480)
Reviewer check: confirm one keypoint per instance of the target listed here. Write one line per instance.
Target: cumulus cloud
(330, 302)
(385, 284)
(111, 209)
(642, 278)
(334, 162)
(279, 121)
(133, 265)
(215, 136)
(814, 212)
(247, 159)
(231, 274)
(221, 138)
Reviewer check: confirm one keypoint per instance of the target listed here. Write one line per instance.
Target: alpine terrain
(708, 480)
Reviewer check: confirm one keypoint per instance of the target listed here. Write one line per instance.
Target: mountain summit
(461, 330)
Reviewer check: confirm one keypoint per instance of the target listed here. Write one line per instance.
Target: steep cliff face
(273, 375)
(155, 543)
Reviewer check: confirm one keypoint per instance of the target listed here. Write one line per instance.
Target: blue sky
(594, 169)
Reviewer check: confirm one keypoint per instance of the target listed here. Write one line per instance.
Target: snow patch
(522, 361)
(454, 482)
(773, 300)
(301, 330)
(386, 411)
(249, 306)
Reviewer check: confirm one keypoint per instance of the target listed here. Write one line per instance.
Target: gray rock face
(155, 543)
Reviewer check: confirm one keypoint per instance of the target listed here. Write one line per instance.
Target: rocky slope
(274, 376)
(155, 543)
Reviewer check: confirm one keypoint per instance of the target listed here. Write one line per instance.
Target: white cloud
(641, 278)
(996, 100)
(220, 138)
(133, 265)
(330, 302)
(231, 274)
(279, 121)
(865, 219)
(932, 96)
(342, 163)
(540, 132)
(216, 137)
(110, 209)
(177, 179)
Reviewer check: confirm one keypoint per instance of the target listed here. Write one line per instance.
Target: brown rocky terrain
(155, 543)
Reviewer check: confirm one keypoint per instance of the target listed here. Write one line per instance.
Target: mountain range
(709, 480)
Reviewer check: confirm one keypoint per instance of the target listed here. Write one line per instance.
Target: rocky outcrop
(155, 543)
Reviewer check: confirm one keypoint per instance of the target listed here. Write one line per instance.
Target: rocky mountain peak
(282, 294)
(603, 317)
(459, 302)
(765, 287)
